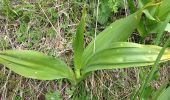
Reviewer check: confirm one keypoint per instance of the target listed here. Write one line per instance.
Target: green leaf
(117, 31)
(142, 28)
(124, 55)
(164, 10)
(148, 15)
(165, 95)
(79, 41)
(78, 45)
(35, 65)
(148, 22)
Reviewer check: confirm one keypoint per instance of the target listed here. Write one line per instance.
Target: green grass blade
(124, 55)
(35, 65)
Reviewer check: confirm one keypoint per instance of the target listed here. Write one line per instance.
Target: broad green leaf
(35, 65)
(117, 31)
(79, 41)
(164, 10)
(165, 95)
(124, 55)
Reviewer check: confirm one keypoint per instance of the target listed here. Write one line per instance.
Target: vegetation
(31, 27)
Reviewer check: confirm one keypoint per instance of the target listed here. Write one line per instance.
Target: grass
(49, 27)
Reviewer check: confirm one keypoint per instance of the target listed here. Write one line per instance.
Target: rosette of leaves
(109, 52)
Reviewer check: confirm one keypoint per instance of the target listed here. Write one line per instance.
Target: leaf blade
(112, 34)
(124, 55)
(35, 65)
(78, 45)
(163, 10)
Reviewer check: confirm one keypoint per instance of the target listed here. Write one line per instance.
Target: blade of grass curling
(78, 44)
(154, 68)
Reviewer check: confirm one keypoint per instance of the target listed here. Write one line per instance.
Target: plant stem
(77, 72)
